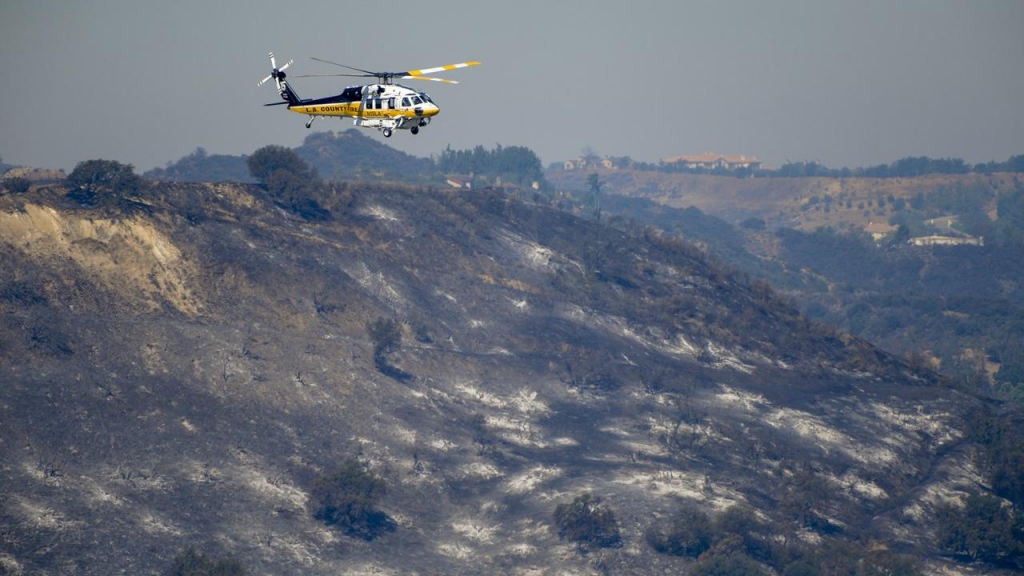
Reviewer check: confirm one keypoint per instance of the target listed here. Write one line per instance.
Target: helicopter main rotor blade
(367, 72)
(431, 78)
(445, 68)
(421, 74)
(332, 75)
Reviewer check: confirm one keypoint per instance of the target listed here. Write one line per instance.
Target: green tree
(347, 499)
(594, 184)
(289, 180)
(901, 236)
(202, 167)
(984, 529)
(107, 181)
(1010, 226)
(588, 522)
(513, 164)
(1010, 377)
(1001, 459)
(264, 162)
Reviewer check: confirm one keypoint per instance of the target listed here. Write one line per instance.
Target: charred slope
(184, 375)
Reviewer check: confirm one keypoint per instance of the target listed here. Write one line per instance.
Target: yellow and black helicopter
(384, 105)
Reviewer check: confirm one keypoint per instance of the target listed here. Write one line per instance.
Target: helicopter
(383, 105)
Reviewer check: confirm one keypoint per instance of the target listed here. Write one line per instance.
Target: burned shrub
(587, 522)
(347, 498)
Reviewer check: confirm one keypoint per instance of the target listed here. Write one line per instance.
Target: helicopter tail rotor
(276, 73)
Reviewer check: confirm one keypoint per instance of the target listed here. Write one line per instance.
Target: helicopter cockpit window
(352, 93)
(416, 100)
(405, 101)
(425, 97)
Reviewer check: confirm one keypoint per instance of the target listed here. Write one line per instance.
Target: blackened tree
(347, 499)
(885, 563)
(734, 564)
(688, 534)
(386, 334)
(17, 185)
(192, 563)
(588, 522)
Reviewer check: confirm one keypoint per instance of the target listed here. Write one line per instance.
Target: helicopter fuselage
(383, 106)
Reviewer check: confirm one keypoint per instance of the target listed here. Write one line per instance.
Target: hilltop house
(583, 162)
(460, 180)
(947, 241)
(879, 230)
(712, 161)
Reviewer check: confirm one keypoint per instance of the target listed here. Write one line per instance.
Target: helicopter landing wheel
(387, 132)
(415, 129)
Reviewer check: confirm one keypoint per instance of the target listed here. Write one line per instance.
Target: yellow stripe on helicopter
(351, 110)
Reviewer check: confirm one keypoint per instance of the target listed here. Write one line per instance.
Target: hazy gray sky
(846, 83)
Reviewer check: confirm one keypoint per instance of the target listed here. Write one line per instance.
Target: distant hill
(803, 203)
(348, 155)
(202, 167)
(491, 382)
(959, 306)
(352, 155)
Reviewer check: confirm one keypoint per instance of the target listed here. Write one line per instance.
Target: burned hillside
(208, 371)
